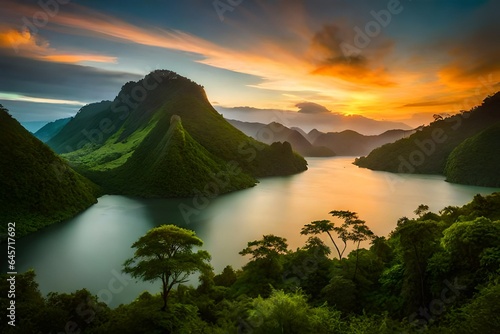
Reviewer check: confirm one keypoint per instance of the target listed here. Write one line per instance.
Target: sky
(383, 59)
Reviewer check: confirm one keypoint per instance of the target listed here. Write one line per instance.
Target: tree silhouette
(421, 210)
(352, 229)
(269, 246)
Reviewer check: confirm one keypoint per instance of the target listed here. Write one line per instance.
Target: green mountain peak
(140, 132)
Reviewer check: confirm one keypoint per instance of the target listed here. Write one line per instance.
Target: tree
(165, 253)
(360, 232)
(352, 229)
(321, 226)
(226, 278)
(466, 241)
(437, 117)
(417, 242)
(266, 267)
(269, 246)
(421, 210)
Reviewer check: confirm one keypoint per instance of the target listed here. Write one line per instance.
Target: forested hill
(427, 151)
(112, 140)
(477, 159)
(37, 188)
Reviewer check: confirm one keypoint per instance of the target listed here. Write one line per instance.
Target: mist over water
(88, 251)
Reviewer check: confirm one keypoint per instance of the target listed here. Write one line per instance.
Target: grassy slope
(37, 188)
(476, 160)
(170, 163)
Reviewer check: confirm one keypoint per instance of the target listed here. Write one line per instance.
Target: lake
(89, 250)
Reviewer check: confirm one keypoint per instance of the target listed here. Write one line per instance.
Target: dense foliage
(427, 151)
(37, 188)
(436, 273)
(476, 160)
(111, 141)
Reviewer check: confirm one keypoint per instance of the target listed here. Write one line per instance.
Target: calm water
(88, 250)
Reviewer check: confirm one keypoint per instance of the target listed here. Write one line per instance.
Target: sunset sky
(383, 59)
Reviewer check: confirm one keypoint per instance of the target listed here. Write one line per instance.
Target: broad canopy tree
(166, 253)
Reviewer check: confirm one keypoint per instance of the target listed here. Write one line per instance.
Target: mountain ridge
(49, 130)
(317, 143)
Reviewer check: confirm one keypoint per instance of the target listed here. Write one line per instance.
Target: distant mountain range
(161, 137)
(276, 132)
(312, 117)
(316, 143)
(464, 147)
(33, 126)
(37, 188)
(51, 129)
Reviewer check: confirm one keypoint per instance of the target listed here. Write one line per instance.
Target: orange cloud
(79, 58)
(21, 42)
(25, 44)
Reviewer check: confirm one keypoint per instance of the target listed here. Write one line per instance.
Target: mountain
(164, 122)
(276, 132)
(476, 160)
(323, 121)
(427, 151)
(37, 188)
(351, 143)
(33, 126)
(51, 129)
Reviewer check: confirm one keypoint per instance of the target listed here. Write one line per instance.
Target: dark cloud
(31, 111)
(335, 53)
(59, 81)
(329, 41)
(474, 47)
(427, 104)
(311, 108)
